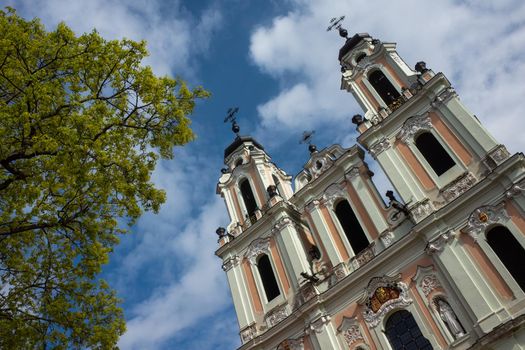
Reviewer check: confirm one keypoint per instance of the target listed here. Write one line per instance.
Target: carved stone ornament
(340, 271)
(276, 315)
(364, 256)
(438, 244)
(317, 325)
(515, 190)
(443, 97)
(429, 283)
(319, 164)
(307, 292)
(332, 193)
(387, 238)
(379, 147)
(375, 119)
(483, 217)
(256, 248)
(458, 187)
(412, 126)
(312, 205)
(281, 224)
(248, 333)
(292, 344)
(382, 295)
(352, 173)
(352, 335)
(350, 330)
(421, 210)
(230, 262)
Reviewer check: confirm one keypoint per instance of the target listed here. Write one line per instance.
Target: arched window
(434, 153)
(271, 289)
(350, 224)
(403, 332)
(248, 197)
(509, 251)
(383, 86)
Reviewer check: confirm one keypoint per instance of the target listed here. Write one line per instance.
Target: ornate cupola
(249, 180)
(429, 145)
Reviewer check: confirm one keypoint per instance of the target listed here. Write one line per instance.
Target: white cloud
(169, 29)
(480, 46)
(199, 292)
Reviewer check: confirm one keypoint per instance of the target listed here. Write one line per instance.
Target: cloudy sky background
(275, 60)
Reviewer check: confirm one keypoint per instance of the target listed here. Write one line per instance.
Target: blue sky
(275, 60)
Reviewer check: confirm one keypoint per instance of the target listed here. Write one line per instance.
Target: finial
(358, 119)
(421, 67)
(337, 24)
(230, 117)
(221, 232)
(307, 138)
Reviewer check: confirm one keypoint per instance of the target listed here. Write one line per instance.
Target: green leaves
(79, 118)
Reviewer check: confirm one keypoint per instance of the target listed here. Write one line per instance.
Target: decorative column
(292, 248)
(457, 265)
(313, 208)
(397, 171)
(323, 334)
(356, 181)
(239, 290)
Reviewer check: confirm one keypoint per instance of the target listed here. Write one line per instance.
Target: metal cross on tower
(307, 138)
(336, 23)
(230, 117)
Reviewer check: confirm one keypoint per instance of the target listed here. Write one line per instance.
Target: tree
(82, 125)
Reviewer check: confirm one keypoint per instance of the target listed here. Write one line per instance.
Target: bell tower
(265, 247)
(415, 126)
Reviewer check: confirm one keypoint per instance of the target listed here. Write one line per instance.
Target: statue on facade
(449, 317)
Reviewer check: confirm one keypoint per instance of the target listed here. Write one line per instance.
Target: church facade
(330, 264)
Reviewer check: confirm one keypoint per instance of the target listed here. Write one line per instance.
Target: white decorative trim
(350, 330)
(230, 263)
(379, 147)
(429, 283)
(281, 224)
(438, 244)
(458, 187)
(365, 256)
(352, 173)
(340, 271)
(332, 193)
(256, 248)
(276, 315)
(444, 97)
(387, 238)
(248, 333)
(483, 217)
(421, 210)
(412, 126)
(515, 190)
(402, 301)
(311, 206)
(317, 325)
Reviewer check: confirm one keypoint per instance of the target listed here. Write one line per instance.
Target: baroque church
(329, 264)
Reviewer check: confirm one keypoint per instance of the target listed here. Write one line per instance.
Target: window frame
(267, 305)
(451, 174)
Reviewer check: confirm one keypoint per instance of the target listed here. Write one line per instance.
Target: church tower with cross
(328, 263)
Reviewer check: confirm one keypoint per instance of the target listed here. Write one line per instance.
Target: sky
(275, 60)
